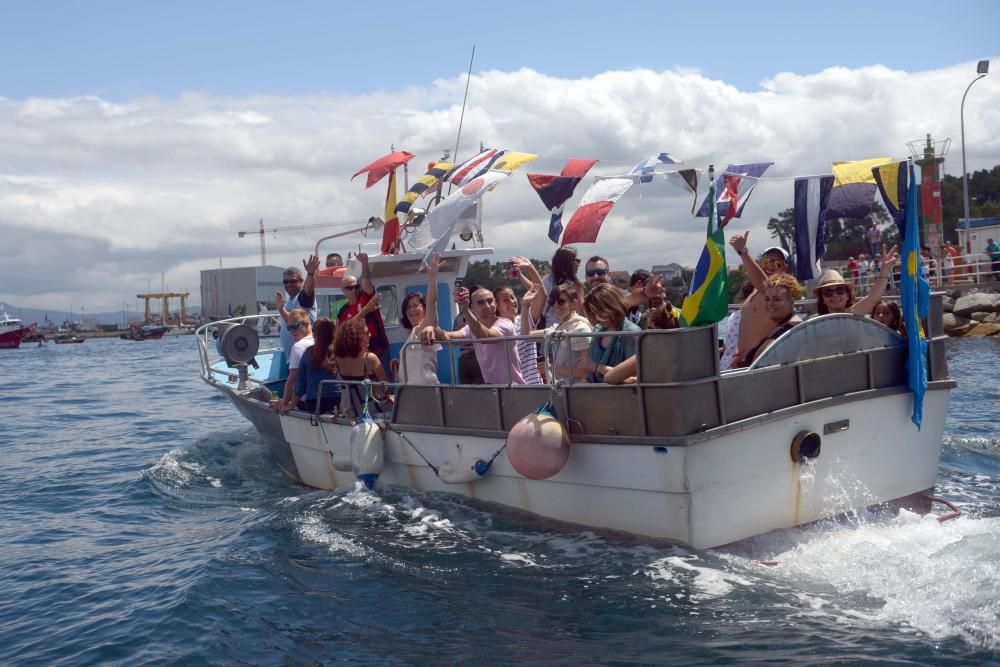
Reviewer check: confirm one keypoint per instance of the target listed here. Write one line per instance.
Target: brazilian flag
(707, 301)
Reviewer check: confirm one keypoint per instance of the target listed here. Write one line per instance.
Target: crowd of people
(564, 330)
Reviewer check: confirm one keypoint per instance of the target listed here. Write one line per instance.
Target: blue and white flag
(811, 197)
(742, 179)
(914, 296)
(647, 166)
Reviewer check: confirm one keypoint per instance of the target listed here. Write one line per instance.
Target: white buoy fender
(367, 451)
(537, 446)
(460, 472)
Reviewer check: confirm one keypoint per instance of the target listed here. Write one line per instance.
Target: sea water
(144, 522)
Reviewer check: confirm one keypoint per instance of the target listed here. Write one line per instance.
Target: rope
(419, 453)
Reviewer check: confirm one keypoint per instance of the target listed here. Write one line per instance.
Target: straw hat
(830, 278)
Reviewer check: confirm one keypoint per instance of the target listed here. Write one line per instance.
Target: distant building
(668, 271)
(223, 290)
(973, 232)
(620, 278)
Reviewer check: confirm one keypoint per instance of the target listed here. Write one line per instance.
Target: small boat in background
(66, 339)
(12, 331)
(145, 332)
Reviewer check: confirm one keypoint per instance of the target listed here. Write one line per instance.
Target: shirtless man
(755, 323)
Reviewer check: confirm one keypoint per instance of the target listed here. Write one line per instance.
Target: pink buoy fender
(538, 446)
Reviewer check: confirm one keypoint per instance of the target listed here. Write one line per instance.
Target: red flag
(732, 196)
(382, 166)
(577, 167)
(597, 202)
(390, 233)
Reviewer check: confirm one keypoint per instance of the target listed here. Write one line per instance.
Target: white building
(973, 232)
(668, 271)
(223, 290)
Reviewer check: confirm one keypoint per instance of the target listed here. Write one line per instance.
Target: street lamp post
(982, 69)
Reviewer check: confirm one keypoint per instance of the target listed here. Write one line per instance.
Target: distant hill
(29, 315)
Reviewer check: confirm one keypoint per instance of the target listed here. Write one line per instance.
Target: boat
(68, 339)
(144, 332)
(12, 331)
(818, 426)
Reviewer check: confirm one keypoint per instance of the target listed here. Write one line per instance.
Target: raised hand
(654, 287)
(462, 298)
(890, 257)
(371, 306)
(739, 241)
(434, 265)
(279, 298)
(311, 265)
(530, 296)
(362, 258)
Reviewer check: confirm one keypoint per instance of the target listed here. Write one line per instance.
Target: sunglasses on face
(596, 272)
(768, 261)
(834, 291)
(561, 302)
(350, 288)
(291, 281)
(293, 327)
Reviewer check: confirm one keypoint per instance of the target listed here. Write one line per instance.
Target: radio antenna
(461, 118)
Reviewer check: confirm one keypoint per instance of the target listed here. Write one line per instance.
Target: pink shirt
(492, 357)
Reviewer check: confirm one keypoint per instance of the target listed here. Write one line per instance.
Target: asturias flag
(914, 295)
(707, 301)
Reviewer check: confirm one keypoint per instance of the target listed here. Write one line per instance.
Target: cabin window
(388, 305)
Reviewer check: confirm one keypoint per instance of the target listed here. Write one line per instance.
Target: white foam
(942, 579)
(311, 527)
(708, 582)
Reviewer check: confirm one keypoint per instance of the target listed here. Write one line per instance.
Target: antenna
(461, 119)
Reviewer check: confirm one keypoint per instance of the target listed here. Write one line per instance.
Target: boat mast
(461, 118)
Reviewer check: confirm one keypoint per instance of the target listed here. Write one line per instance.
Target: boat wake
(863, 574)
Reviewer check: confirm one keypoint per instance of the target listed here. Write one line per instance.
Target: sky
(137, 139)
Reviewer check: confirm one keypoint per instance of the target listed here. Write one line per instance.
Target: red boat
(147, 332)
(12, 331)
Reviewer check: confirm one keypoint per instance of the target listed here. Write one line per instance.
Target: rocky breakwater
(972, 313)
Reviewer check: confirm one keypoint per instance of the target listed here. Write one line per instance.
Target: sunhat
(830, 278)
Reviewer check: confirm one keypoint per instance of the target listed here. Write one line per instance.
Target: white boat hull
(707, 493)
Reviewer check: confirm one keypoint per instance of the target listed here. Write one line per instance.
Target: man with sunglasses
(499, 362)
(298, 326)
(752, 323)
(301, 295)
(597, 272)
(359, 293)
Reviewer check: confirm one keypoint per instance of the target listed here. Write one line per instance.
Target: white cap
(784, 253)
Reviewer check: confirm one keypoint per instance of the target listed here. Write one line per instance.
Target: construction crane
(262, 231)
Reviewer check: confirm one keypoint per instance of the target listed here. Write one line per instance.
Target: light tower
(928, 157)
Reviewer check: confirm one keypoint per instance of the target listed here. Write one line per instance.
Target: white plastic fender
(460, 472)
(367, 450)
(341, 460)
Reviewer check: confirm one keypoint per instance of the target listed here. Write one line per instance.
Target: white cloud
(107, 195)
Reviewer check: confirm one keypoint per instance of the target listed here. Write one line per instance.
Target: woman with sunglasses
(418, 359)
(835, 295)
(567, 360)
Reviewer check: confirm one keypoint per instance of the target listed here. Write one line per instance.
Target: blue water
(143, 521)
